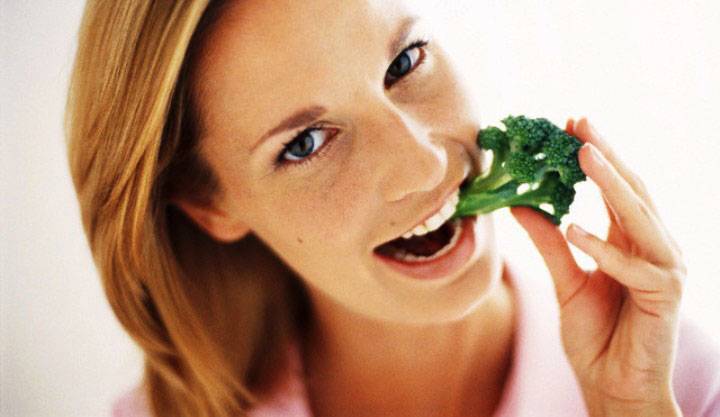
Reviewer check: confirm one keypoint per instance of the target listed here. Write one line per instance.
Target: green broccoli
(534, 163)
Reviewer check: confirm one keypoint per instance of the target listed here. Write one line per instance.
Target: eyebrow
(397, 41)
(312, 113)
(295, 120)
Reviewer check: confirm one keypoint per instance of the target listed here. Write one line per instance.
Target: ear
(217, 223)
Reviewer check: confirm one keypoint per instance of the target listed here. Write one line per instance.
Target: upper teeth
(436, 220)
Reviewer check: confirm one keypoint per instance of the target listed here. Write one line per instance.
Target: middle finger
(633, 214)
(585, 132)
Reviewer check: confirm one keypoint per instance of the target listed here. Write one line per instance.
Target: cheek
(452, 97)
(441, 100)
(329, 214)
(348, 206)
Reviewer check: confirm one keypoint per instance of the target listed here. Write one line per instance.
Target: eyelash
(281, 163)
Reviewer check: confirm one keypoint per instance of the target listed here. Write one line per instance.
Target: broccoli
(535, 163)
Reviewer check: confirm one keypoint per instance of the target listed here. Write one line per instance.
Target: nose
(412, 162)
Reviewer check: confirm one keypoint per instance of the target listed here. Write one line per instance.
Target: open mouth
(423, 248)
(432, 239)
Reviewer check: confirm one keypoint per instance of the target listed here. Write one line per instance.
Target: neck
(359, 366)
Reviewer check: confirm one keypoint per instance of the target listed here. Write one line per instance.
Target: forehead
(266, 58)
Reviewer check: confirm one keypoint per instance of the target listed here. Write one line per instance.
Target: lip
(438, 206)
(443, 265)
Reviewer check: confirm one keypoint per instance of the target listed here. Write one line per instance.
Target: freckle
(392, 223)
(300, 240)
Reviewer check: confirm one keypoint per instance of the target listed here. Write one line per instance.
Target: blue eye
(305, 145)
(311, 143)
(405, 63)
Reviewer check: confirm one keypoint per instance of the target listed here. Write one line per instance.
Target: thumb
(550, 242)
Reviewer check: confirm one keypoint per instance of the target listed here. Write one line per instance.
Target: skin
(381, 343)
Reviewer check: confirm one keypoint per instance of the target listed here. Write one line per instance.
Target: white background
(645, 72)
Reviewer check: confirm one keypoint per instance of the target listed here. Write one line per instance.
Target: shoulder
(132, 403)
(696, 376)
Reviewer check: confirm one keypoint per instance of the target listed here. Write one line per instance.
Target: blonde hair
(213, 320)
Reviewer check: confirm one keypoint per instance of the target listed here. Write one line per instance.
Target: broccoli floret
(534, 163)
(524, 134)
(561, 151)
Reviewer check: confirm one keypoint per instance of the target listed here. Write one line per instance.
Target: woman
(238, 166)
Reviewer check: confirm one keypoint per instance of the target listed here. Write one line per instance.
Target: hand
(619, 323)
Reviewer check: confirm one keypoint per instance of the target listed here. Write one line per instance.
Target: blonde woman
(240, 163)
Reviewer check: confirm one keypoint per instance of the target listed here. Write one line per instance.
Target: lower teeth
(405, 256)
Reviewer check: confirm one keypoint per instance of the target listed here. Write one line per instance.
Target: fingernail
(593, 131)
(596, 155)
(578, 231)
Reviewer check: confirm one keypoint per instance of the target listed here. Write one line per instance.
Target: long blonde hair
(213, 320)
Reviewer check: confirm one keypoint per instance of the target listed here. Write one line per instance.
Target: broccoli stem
(496, 177)
(475, 201)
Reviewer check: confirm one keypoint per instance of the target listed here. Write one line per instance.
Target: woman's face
(325, 152)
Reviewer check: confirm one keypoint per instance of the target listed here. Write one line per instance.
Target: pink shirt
(541, 381)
